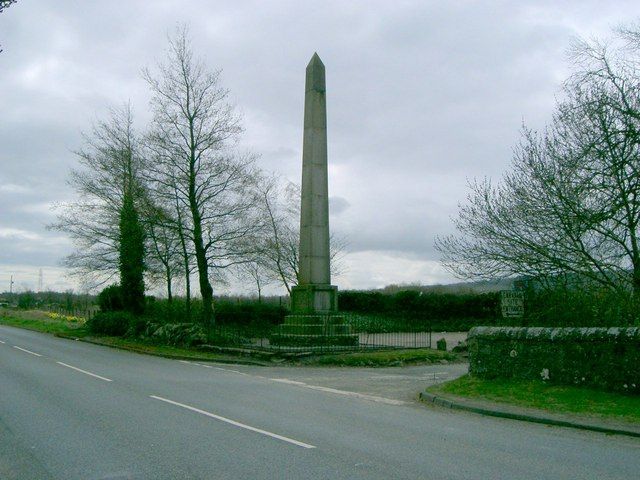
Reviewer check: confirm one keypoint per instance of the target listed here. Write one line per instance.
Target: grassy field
(74, 328)
(552, 398)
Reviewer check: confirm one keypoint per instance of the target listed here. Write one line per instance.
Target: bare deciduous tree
(6, 4)
(571, 203)
(165, 249)
(193, 139)
(110, 172)
(3, 5)
(255, 270)
(279, 246)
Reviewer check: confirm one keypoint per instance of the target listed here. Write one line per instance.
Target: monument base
(314, 299)
(314, 330)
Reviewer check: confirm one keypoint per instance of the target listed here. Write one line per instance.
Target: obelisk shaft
(314, 212)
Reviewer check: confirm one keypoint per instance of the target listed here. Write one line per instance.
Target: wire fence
(342, 332)
(345, 331)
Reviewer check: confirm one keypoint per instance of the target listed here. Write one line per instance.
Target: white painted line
(364, 396)
(28, 351)
(287, 381)
(237, 424)
(373, 398)
(217, 368)
(209, 366)
(201, 365)
(84, 371)
(1, 342)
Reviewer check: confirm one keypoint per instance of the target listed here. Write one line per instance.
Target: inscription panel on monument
(322, 301)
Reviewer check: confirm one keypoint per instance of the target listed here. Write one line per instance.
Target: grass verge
(556, 399)
(44, 322)
(167, 351)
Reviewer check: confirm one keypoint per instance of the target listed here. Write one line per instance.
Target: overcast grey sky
(422, 95)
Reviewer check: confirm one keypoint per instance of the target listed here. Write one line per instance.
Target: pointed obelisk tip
(315, 74)
(315, 60)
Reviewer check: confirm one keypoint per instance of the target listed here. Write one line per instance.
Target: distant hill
(481, 286)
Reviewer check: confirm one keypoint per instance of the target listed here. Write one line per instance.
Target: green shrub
(26, 300)
(178, 334)
(110, 299)
(137, 326)
(116, 324)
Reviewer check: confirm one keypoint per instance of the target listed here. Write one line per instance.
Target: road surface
(71, 410)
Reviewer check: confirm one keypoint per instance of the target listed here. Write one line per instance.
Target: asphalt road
(71, 410)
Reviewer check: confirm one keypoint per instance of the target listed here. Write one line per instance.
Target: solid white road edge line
(237, 424)
(28, 351)
(85, 372)
(364, 396)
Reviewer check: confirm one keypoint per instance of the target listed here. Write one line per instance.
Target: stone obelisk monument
(314, 292)
(314, 301)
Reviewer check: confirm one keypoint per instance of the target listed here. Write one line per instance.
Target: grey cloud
(337, 205)
(421, 96)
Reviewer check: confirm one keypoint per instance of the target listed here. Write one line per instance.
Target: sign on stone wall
(512, 304)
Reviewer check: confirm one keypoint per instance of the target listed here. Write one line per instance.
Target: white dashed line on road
(27, 351)
(233, 422)
(85, 372)
(1, 342)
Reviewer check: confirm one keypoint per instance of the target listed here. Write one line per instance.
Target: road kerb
(497, 412)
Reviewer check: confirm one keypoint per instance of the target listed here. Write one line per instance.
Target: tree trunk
(259, 289)
(169, 293)
(203, 272)
(635, 296)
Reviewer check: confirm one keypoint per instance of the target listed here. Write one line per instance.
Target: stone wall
(602, 358)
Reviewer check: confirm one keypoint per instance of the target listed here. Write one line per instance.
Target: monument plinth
(314, 301)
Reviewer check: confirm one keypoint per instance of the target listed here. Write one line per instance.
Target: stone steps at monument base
(314, 319)
(313, 329)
